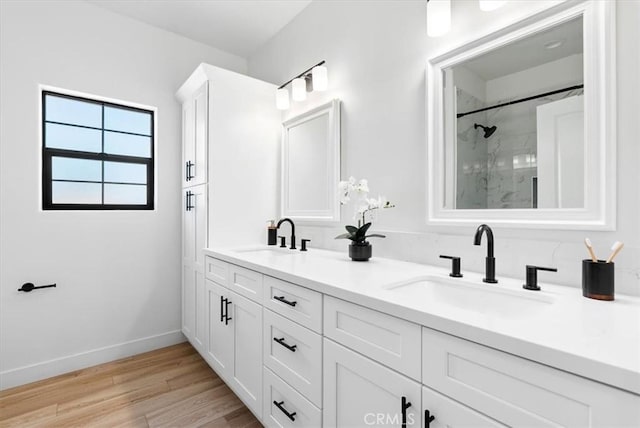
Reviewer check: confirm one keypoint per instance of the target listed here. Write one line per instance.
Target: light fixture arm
(301, 74)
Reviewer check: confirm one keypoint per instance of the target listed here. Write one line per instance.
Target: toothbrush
(615, 250)
(587, 242)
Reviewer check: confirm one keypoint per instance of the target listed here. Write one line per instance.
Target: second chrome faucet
(490, 261)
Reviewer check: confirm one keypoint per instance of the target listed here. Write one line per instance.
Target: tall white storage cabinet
(231, 145)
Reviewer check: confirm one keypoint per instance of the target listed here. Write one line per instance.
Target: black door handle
(280, 406)
(405, 405)
(189, 194)
(222, 299)
(285, 301)
(28, 286)
(227, 318)
(428, 418)
(188, 170)
(281, 341)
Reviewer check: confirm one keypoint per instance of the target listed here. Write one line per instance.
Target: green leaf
(375, 235)
(343, 236)
(362, 231)
(351, 229)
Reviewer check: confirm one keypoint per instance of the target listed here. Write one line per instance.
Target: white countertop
(596, 339)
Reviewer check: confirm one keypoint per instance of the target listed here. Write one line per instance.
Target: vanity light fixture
(299, 89)
(489, 5)
(282, 99)
(439, 14)
(438, 17)
(314, 78)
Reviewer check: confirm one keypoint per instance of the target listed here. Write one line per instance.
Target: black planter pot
(360, 252)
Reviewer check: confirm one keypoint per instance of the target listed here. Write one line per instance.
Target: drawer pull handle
(285, 301)
(281, 341)
(227, 318)
(280, 406)
(428, 418)
(222, 299)
(405, 406)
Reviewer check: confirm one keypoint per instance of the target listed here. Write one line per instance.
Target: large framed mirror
(311, 165)
(521, 124)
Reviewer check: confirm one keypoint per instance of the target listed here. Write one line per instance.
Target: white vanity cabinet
(361, 392)
(234, 340)
(194, 236)
(194, 137)
(520, 392)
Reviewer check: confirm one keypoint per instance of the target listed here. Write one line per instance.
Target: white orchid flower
(363, 187)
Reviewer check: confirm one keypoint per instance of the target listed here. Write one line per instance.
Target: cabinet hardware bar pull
(405, 405)
(222, 299)
(227, 318)
(280, 406)
(428, 418)
(281, 341)
(285, 301)
(189, 195)
(28, 286)
(188, 171)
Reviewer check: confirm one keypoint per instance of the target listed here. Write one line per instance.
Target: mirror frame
(599, 212)
(332, 213)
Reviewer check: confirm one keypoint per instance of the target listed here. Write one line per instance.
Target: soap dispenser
(272, 233)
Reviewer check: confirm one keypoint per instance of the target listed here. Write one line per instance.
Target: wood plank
(172, 386)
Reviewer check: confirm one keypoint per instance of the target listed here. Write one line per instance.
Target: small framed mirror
(311, 165)
(522, 124)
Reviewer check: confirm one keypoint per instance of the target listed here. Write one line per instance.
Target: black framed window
(96, 155)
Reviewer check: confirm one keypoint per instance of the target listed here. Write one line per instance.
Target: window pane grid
(130, 165)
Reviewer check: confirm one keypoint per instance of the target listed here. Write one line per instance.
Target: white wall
(376, 54)
(118, 273)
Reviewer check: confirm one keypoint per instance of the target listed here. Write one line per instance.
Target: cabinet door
(188, 301)
(219, 352)
(194, 138)
(247, 360)
(194, 226)
(448, 413)
(361, 392)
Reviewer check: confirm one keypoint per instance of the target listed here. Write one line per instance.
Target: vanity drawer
(301, 367)
(384, 338)
(245, 282)
(277, 391)
(216, 270)
(520, 392)
(297, 303)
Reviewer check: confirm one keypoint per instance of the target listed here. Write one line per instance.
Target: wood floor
(169, 387)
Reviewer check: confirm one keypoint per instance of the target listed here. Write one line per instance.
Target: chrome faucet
(490, 261)
(293, 231)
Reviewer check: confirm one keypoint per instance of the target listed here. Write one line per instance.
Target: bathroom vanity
(313, 339)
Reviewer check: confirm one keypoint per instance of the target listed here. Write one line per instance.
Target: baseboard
(47, 369)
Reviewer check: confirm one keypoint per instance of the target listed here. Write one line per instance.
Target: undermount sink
(481, 298)
(276, 251)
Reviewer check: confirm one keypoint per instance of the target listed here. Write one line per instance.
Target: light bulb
(438, 17)
(489, 5)
(282, 99)
(320, 79)
(299, 91)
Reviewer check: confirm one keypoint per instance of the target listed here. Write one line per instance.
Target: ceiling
(238, 27)
(529, 51)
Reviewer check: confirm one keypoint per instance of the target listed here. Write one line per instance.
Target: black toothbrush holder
(598, 279)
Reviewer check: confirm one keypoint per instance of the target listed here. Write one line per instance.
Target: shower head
(488, 131)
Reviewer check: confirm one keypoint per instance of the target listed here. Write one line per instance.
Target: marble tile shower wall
(512, 254)
(471, 154)
(512, 151)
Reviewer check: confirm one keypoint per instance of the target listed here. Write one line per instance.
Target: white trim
(57, 366)
(332, 213)
(600, 124)
(99, 98)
